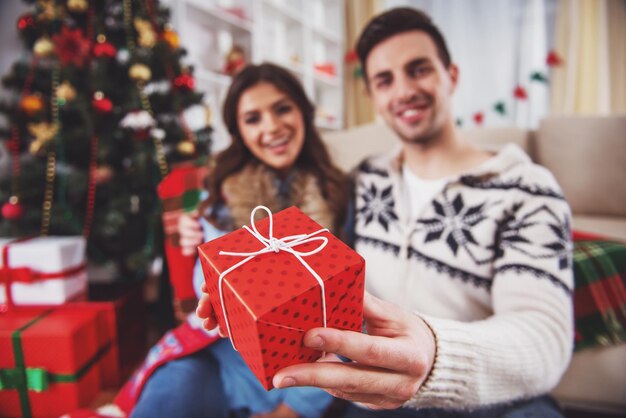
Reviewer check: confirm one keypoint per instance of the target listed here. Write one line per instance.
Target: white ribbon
(286, 244)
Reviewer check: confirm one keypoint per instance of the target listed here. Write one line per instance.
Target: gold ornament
(43, 47)
(139, 72)
(171, 38)
(65, 92)
(77, 6)
(48, 11)
(186, 147)
(147, 35)
(43, 132)
(31, 104)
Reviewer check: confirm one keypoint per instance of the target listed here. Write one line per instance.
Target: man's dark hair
(393, 22)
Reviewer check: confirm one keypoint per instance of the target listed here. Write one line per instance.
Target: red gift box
(48, 361)
(270, 292)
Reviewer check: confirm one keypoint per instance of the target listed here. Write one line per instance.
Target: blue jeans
(542, 407)
(162, 397)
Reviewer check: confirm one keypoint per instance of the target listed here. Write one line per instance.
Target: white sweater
(487, 265)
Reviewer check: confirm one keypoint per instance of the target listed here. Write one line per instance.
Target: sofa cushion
(587, 155)
(600, 293)
(493, 139)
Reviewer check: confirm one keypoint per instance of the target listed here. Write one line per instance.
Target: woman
(276, 159)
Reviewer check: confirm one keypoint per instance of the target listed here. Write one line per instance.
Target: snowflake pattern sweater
(487, 265)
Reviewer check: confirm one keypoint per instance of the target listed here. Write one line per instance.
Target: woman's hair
(313, 157)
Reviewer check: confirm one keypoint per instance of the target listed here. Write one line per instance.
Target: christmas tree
(99, 109)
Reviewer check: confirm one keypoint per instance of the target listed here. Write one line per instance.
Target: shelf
(213, 77)
(328, 80)
(327, 35)
(283, 9)
(230, 21)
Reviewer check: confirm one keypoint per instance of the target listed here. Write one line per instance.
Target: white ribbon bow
(286, 244)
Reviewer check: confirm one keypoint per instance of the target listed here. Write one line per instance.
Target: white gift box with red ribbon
(42, 270)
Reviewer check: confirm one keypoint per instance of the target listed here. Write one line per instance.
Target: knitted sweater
(487, 265)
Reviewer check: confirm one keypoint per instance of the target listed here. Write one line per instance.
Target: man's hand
(281, 411)
(205, 311)
(190, 232)
(390, 363)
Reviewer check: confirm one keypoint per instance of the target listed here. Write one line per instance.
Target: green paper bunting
(500, 108)
(537, 76)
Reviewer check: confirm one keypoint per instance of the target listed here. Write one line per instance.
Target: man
(468, 256)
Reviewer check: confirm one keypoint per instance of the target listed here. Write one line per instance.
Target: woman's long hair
(313, 158)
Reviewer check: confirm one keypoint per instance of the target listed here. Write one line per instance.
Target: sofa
(587, 155)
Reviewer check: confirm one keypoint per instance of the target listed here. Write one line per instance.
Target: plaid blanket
(600, 292)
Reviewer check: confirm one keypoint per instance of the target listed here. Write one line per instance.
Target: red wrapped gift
(48, 361)
(272, 282)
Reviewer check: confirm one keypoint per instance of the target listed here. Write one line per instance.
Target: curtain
(590, 40)
(358, 108)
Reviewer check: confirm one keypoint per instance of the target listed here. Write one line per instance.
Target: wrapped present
(125, 325)
(49, 361)
(180, 192)
(273, 281)
(42, 270)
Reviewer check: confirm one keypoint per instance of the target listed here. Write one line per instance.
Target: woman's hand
(205, 311)
(390, 362)
(190, 232)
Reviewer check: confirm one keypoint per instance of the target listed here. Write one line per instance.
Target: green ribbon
(37, 379)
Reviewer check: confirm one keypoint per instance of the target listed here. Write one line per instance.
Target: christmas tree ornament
(42, 133)
(48, 10)
(184, 82)
(31, 104)
(186, 147)
(478, 118)
(553, 59)
(197, 117)
(77, 6)
(147, 35)
(500, 108)
(520, 93)
(140, 122)
(538, 76)
(104, 49)
(103, 174)
(25, 22)
(101, 104)
(171, 37)
(43, 47)
(140, 72)
(459, 122)
(65, 93)
(123, 56)
(12, 210)
(72, 47)
(350, 57)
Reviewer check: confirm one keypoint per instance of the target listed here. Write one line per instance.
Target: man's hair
(393, 22)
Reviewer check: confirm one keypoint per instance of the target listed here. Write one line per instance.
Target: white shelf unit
(305, 36)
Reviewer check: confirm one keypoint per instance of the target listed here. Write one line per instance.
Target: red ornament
(553, 59)
(12, 210)
(478, 118)
(25, 21)
(184, 82)
(101, 104)
(520, 93)
(72, 47)
(104, 49)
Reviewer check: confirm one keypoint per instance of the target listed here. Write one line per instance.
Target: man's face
(410, 87)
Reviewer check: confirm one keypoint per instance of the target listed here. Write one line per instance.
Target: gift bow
(276, 245)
